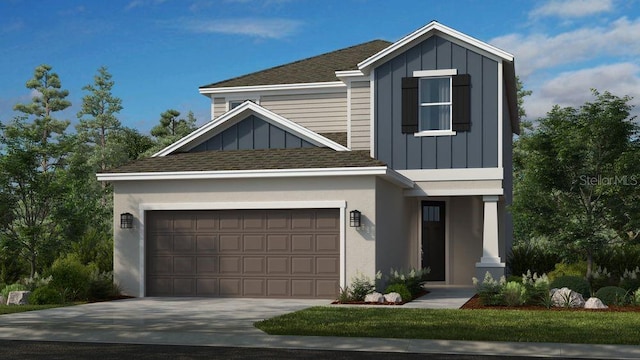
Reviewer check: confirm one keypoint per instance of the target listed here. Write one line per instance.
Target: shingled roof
(319, 68)
(301, 158)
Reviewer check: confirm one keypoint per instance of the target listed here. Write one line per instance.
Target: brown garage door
(243, 253)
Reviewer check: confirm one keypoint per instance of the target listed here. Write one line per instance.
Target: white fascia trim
(277, 87)
(383, 171)
(454, 192)
(433, 27)
(240, 205)
(372, 112)
(267, 115)
(453, 174)
(429, 73)
(350, 75)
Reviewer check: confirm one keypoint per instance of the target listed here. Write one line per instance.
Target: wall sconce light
(126, 221)
(355, 218)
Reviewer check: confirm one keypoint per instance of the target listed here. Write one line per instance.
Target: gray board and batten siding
(252, 133)
(476, 148)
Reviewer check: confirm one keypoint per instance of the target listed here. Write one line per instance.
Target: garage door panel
(231, 265)
(230, 243)
(184, 264)
(253, 243)
(230, 287)
(302, 243)
(278, 243)
(207, 243)
(207, 287)
(235, 253)
(253, 266)
(207, 265)
(184, 243)
(327, 243)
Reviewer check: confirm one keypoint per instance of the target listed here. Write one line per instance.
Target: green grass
(10, 309)
(481, 325)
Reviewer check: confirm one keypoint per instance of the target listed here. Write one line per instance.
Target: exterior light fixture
(126, 221)
(355, 218)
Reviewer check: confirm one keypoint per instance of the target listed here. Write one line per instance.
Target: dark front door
(433, 239)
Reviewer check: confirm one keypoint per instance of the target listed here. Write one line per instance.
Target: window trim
(434, 74)
(229, 99)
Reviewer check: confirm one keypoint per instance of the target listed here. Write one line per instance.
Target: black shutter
(461, 103)
(410, 105)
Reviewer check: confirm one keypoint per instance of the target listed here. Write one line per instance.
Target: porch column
(490, 260)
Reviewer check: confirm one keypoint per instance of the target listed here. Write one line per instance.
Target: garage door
(243, 253)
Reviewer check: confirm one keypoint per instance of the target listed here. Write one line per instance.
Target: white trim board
(388, 174)
(453, 174)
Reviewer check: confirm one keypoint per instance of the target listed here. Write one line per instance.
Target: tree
(577, 176)
(32, 162)
(172, 128)
(98, 121)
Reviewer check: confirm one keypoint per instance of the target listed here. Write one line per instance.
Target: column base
(496, 270)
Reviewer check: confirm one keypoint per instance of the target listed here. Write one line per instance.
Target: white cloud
(572, 8)
(141, 3)
(542, 51)
(262, 28)
(574, 88)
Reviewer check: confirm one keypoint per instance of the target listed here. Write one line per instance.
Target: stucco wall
(358, 192)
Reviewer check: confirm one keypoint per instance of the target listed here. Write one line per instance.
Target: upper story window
(236, 101)
(436, 102)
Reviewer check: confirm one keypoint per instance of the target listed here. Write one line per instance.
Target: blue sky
(160, 51)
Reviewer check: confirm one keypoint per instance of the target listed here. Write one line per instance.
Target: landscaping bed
(476, 304)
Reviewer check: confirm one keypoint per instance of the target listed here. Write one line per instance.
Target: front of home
(382, 155)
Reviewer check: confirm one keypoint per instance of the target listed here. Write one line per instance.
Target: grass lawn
(482, 325)
(10, 309)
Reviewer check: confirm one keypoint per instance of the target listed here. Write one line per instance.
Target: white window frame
(241, 99)
(435, 74)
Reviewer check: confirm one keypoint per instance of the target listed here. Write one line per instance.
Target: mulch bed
(475, 304)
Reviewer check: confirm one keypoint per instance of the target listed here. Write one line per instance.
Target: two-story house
(377, 156)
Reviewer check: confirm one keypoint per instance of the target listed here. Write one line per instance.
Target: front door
(433, 239)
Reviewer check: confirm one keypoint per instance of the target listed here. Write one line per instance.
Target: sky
(160, 51)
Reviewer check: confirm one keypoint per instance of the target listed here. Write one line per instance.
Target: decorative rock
(566, 297)
(18, 298)
(595, 303)
(393, 297)
(374, 297)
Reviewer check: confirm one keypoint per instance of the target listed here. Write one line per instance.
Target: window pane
(435, 117)
(434, 90)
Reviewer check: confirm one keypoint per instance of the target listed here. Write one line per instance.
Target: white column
(490, 245)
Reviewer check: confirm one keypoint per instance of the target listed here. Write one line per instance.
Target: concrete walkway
(226, 322)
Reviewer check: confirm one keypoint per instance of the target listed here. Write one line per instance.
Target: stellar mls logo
(624, 180)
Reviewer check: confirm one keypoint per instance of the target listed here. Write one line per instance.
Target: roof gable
(231, 118)
(429, 30)
(321, 68)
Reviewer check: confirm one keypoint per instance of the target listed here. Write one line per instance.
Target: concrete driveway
(185, 321)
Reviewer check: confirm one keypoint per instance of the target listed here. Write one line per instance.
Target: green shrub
(361, 286)
(630, 279)
(490, 290)
(401, 289)
(344, 296)
(618, 258)
(537, 289)
(35, 282)
(101, 286)
(413, 279)
(535, 255)
(576, 283)
(600, 278)
(572, 269)
(70, 278)
(515, 278)
(514, 293)
(45, 295)
(13, 287)
(635, 298)
(612, 295)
